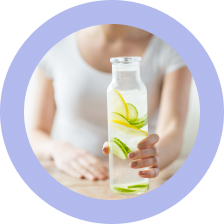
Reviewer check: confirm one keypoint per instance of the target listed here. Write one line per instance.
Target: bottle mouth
(125, 60)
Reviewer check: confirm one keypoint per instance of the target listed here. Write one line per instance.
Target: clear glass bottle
(127, 124)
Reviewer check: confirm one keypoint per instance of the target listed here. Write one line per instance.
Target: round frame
(107, 211)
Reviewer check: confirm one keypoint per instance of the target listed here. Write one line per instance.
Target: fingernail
(142, 144)
(132, 155)
(134, 163)
(142, 172)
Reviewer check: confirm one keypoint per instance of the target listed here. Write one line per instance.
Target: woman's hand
(78, 163)
(146, 156)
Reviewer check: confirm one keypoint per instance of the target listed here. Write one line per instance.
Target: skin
(97, 45)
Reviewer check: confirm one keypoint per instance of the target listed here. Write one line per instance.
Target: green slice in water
(139, 123)
(137, 186)
(123, 190)
(119, 149)
(132, 112)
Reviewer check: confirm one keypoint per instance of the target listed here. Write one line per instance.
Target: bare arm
(43, 117)
(72, 160)
(172, 116)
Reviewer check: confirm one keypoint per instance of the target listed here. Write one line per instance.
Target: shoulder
(61, 47)
(162, 48)
(168, 59)
(55, 56)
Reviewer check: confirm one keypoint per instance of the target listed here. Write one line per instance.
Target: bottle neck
(126, 72)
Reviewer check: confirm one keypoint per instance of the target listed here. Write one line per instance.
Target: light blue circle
(12, 112)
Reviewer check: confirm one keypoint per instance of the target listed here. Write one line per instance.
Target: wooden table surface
(101, 189)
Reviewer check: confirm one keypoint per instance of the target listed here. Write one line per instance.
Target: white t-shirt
(81, 91)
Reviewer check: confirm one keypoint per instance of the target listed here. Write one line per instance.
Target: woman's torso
(80, 91)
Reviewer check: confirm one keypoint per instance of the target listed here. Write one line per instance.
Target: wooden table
(101, 189)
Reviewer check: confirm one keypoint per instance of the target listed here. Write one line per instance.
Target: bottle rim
(126, 60)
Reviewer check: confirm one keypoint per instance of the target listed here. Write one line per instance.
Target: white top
(81, 90)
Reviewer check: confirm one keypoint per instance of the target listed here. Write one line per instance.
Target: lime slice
(132, 112)
(137, 186)
(118, 104)
(127, 128)
(117, 117)
(123, 190)
(119, 149)
(139, 123)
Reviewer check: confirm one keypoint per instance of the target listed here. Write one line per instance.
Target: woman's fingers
(84, 172)
(69, 170)
(106, 149)
(148, 162)
(151, 173)
(92, 160)
(148, 142)
(143, 153)
(96, 170)
(145, 143)
(95, 167)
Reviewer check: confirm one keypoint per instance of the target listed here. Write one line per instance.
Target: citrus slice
(123, 190)
(139, 123)
(137, 186)
(132, 112)
(118, 104)
(129, 129)
(119, 149)
(117, 117)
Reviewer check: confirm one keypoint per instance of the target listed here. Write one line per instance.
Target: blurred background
(191, 127)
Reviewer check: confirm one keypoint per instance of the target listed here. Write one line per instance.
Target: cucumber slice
(132, 112)
(137, 186)
(119, 149)
(139, 123)
(123, 145)
(123, 190)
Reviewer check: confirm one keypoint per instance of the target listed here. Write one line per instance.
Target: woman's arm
(172, 115)
(43, 117)
(73, 161)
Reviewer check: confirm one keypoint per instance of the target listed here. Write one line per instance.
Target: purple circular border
(105, 211)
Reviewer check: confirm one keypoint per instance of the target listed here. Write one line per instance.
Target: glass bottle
(127, 124)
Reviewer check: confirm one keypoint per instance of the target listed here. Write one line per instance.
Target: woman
(73, 78)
